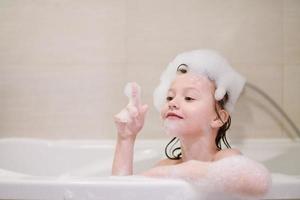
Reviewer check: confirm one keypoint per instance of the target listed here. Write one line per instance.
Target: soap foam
(233, 174)
(173, 128)
(234, 177)
(176, 128)
(133, 91)
(210, 64)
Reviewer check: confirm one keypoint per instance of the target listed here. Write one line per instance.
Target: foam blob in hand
(133, 91)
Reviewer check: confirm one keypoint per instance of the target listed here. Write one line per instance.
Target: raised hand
(131, 119)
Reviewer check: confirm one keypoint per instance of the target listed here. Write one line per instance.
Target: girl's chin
(174, 128)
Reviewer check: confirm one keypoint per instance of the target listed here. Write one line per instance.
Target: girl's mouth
(172, 115)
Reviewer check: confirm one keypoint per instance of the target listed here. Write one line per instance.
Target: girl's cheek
(163, 112)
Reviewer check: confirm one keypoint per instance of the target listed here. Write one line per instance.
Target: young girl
(196, 95)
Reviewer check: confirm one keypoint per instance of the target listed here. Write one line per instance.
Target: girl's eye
(189, 98)
(169, 98)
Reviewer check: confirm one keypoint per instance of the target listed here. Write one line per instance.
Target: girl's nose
(173, 104)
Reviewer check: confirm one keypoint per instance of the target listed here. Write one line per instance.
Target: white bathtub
(43, 169)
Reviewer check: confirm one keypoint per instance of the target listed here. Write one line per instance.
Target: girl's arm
(234, 175)
(123, 159)
(129, 122)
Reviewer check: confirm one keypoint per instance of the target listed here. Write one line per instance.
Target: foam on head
(210, 64)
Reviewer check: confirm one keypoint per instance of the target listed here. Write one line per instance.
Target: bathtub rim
(277, 191)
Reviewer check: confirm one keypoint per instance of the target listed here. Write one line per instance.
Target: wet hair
(175, 153)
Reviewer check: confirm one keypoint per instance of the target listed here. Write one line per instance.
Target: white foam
(208, 63)
(234, 177)
(237, 176)
(133, 91)
(173, 128)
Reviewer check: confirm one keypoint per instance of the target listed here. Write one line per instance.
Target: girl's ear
(218, 122)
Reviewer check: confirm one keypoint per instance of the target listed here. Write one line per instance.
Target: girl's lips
(173, 115)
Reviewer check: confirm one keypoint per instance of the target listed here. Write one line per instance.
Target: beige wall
(63, 64)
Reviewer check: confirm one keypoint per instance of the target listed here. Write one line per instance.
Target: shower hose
(273, 103)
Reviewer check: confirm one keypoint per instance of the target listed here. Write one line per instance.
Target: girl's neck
(200, 147)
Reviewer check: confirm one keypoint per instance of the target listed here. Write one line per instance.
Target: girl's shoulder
(226, 153)
(218, 156)
(167, 161)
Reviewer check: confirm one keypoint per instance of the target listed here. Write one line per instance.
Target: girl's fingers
(142, 112)
(117, 118)
(144, 109)
(132, 110)
(131, 113)
(119, 121)
(122, 116)
(120, 125)
(135, 96)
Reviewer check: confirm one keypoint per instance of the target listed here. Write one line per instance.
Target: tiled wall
(63, 64)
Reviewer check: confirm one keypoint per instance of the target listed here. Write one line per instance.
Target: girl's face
(190, 105)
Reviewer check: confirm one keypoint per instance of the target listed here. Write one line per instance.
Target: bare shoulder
(167, 161)
(226, 153)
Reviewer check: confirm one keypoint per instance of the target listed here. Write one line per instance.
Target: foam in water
(237, 176)
(234, 177)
